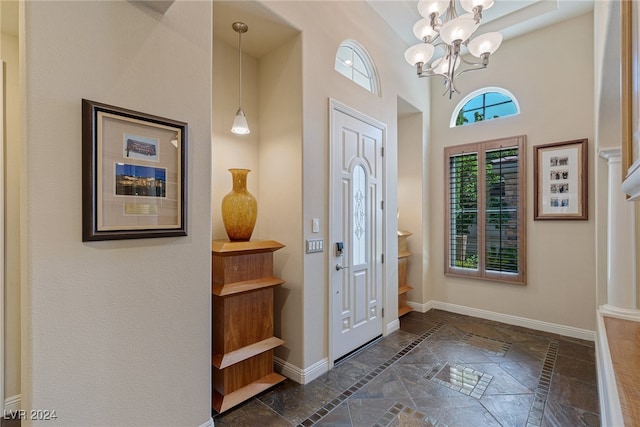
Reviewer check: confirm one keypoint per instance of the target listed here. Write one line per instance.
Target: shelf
(243, 288)
(404, 289)
(222, 403)
(403, 254)
(228, 248)
(221, 361)
(404, 310)
(223, 290)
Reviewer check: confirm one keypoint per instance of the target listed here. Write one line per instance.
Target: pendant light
(240, 125)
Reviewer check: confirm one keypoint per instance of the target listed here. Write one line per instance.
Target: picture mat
(574, 181)
(153, 213)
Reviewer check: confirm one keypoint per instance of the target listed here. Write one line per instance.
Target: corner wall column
(621, 251)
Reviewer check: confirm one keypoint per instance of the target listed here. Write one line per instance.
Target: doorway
(356, 280)
(2, 237)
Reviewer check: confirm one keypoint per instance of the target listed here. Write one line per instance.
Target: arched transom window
(353, 61)
(484, 104)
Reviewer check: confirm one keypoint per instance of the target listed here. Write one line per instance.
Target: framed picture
(133, 174)
(560, 181)
(630, 97)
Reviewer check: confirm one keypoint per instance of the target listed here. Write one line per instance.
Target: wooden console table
(243, 342)
(403, 288)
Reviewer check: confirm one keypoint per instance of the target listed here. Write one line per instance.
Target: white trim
(469, 97)
(620, 313)
(610, 410)
(209, 423)
(393, 326)
(2, 239)
(421, 308)
(554, 328)
(301, 376)
(12, 403)
(368, 63)
(631, 184)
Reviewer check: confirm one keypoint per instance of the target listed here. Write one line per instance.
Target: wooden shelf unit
(243, 342)
(403, 287)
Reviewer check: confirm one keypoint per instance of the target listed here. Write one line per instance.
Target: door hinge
(382, 258)
(382, 204)
(382, 151)
(382, 311)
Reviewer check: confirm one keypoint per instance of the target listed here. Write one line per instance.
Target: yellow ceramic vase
(239, 208)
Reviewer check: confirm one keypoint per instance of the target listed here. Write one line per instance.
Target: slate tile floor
(441, 369)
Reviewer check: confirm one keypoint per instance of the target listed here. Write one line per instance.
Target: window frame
(476, 93)
(481, 148)
(368, 63)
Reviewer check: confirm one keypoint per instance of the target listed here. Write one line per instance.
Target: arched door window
(484, 104)
(353, 62)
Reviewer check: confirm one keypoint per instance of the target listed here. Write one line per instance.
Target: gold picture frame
(630, 85)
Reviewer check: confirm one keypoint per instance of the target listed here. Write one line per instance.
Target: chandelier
(441, 26)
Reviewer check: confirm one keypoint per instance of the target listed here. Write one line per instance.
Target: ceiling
(267, 31)
(510, 17)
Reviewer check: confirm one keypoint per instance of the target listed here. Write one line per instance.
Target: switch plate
(315, 245)
(315, 225)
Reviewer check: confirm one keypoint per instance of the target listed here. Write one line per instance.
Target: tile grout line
(536, 412)
(337, 401)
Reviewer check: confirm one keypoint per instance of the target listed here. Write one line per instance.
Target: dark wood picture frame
(560, 183)
(133, 174)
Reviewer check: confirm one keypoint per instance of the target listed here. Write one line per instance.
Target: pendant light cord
(240, 67)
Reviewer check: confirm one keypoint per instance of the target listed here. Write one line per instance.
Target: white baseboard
(393, 326)
(12, 403)
(568, 331)
(610, 410)
(209, 423)
(420, 308)
(301, 376)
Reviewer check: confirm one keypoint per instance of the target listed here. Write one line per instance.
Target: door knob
(339, 267)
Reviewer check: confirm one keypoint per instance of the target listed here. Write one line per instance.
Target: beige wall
(280, 153)
(411, 196)
(233, 151)
(114, 333)
(295, 84)
(324, 26)
(9, 54)
(551, 74)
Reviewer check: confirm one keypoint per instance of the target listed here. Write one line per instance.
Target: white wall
(551, 74)
(114, 333)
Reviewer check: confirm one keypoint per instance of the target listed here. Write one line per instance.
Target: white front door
(356, 216)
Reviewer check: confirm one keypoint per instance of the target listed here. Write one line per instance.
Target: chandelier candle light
(240, 125)
(441, 26)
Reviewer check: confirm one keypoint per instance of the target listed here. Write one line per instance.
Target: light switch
(315, 245)
(315, 225)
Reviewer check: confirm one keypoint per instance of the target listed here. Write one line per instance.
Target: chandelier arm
(469, 62)
(475, 68)
(427, 73)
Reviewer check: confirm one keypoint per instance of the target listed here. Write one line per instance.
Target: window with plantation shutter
(485, 218)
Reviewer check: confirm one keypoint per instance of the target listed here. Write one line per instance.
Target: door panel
(356, 222)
